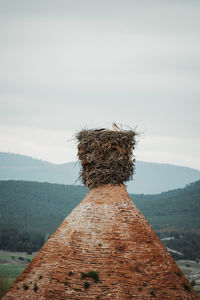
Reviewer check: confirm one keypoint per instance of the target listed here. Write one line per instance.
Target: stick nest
(106, 156)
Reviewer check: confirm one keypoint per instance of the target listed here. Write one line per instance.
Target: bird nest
(106, 156)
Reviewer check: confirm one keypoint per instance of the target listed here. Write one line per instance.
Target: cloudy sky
(67, 65)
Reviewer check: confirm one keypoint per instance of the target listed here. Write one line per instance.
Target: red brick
(105, 233)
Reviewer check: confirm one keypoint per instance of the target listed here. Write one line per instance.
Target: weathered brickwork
(106, 234)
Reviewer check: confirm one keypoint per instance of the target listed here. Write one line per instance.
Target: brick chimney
(105, 249)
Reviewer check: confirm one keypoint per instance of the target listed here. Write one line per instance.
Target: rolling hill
(41, 207)
(30, 211)
(149, 178)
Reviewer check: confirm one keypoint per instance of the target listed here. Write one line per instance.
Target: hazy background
(66, 65)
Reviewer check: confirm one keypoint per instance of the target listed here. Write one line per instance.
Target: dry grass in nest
(106, 156)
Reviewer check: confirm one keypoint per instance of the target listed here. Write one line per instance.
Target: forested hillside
(34, 206)
(31, 210)
(178, 209)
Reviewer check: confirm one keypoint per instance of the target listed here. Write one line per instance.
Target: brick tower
(105, 249)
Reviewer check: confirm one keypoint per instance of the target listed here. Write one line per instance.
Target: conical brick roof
(105, 249)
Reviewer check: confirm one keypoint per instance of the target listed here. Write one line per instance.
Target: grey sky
(69, 64)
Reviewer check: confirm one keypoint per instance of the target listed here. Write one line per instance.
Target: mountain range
(149, 178)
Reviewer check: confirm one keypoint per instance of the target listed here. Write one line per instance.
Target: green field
(11, 266)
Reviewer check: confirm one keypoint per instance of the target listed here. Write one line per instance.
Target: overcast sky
(66, 65)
